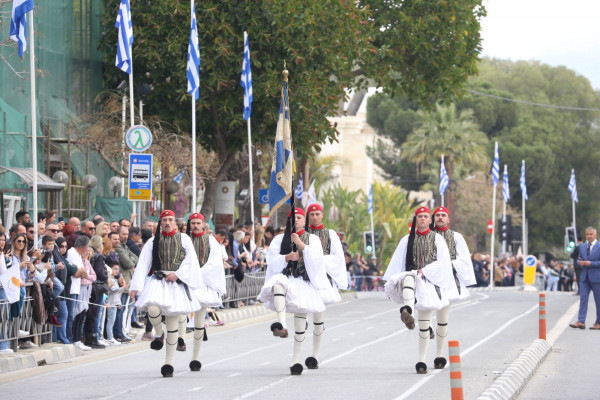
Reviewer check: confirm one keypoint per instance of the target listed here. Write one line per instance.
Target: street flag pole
(495, 177)
(246, 83)
(33, 128)
(574, 198)
(524, 200)
(193, 75)
(370, 209)
(506, 196)
(444, 180)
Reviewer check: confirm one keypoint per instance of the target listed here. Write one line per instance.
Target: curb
(41, 356)
(518, 373)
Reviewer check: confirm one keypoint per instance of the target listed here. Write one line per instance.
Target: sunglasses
(19, 241)
(30, 231)
(54, 230)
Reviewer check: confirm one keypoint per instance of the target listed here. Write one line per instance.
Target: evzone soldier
(293, 282)
(335, 266)
(208, 252)
(463, 276)
(418, 276)
(170, 261)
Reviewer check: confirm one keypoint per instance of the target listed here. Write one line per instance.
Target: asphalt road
(367, 353)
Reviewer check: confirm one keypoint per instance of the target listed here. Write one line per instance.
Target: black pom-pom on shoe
(406, 317)
(157, 344)
(278, 330)
(181, 344)
(167, 371)
(195, 365)
(439, 362)
(311, 363)
(296, 369)
(421, 368)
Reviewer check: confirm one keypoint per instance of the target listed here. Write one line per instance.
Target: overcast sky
(555, 32)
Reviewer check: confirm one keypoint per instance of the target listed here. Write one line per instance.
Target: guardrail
(9, 329)
(247, 289)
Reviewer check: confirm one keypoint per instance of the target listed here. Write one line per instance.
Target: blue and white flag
(178, 177)
(247, 79)
(300, 188)
(370, 200)
(125, 38)
(18, 23)
(193, 59)
(444, 180)
(523, 183)
(505, 191)
(496, 167)
(280, 188)
(573, 187)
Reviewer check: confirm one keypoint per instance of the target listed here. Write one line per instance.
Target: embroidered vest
(323, 234)
(171, 252)
(424, 250)
(202, 247)
(448, 236)
(299, 269)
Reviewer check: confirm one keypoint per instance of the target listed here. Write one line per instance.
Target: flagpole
(441, 180)
(194, 151)
(372, 225)
(523, 227)
(33, 128)
(504, 215)
(493, 228)
(573, 202)
(251, 194)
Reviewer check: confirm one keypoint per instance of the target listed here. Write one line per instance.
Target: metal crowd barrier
(247, 289)
(539, 284)
(9, 329)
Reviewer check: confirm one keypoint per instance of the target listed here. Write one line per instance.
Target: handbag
(238, 273)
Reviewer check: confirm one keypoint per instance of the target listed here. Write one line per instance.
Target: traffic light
(506, 229)
(570, 239)
(377, 240)
(368, 242)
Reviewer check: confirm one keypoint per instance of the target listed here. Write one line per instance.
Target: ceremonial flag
(300, 188)
(18, 23)
(125, 38)
(10, 280)
(247, 79)
(444, 180)
(573, 187)
(496, 167)
(370, 200)
(280, 188)
(178, 177)
(193, 59)
(523, 183)
(505, 191)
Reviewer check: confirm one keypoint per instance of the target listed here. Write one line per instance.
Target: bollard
(456, 387)
(542, 316)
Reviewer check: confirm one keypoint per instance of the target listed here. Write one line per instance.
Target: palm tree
(457, 137)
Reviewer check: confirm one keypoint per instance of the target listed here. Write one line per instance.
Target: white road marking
(424, 380)
(562, 324)
(265, 363)
(196, 389)
(232, 375)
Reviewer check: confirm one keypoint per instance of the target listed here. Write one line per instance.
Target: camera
(46, 255)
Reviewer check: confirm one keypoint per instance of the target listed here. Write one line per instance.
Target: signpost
(140, 177)
(138, 138)
(490, 226)
(530, 264)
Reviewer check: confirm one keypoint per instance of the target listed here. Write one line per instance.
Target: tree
(328, 47)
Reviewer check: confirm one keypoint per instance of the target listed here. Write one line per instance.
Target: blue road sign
(140, 177)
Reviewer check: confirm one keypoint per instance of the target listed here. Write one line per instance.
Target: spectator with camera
(80, 288)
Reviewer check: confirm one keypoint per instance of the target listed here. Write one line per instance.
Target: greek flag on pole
(300, 188)
(18, 23)
(505, 191)
(573, 187)
(178, 177)
(370, 200)
(125, 37)
(523, 183)
(193, 59)
(496, 167)
(280, 188)
(247, 79)
(444, 180)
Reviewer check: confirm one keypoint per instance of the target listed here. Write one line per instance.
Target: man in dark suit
(589, 259)
(578, 268)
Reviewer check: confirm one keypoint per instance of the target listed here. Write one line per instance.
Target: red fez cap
(297, 211)
(315, 207)
(441, 209)
(422, 210)
(196, 216)
(167, 213)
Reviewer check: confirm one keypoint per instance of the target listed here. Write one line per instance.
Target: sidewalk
(52, 353)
